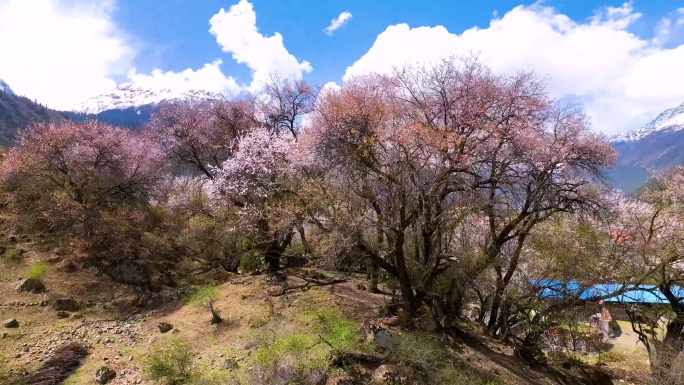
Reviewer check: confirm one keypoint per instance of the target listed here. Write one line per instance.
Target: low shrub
(418, 350)
(205, 296)
(12, 255)
(38, 271)
(251, 260)
(171, 362)
(610, 356)
(297, 359)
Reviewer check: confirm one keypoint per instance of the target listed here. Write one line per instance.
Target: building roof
(647, 294)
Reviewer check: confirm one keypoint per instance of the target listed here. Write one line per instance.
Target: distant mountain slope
(4, 87)
(127, 96)
(126, 106)
(657, 146)
(17, 112)
(131, 117)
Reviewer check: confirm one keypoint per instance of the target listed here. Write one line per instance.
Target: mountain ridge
(669, 120)
(17, 112)
(127, 96)
(4, 87)
(653, 148)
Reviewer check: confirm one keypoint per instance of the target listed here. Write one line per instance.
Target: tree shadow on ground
(526, 375)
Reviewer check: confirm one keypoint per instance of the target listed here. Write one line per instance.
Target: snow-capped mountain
(4, 87)
(668, 120)
(657, 146)
(127, 95)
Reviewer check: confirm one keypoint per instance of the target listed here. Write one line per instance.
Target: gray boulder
(31, 285)
(62, 314)
(104, 375)
(11, 323)
(66, 304)
(164, 327)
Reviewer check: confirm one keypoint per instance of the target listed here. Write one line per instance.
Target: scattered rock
(389, 374)
(31, 285)
(68, 267)
(104, 375)
(66, 304)
(230, 364)
(384, 338)
(11, 323)
(343, 379)
(164, 327)
(62, 314)
(127, 272)
(150, 300)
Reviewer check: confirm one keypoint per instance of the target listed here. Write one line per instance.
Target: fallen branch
(309, 283)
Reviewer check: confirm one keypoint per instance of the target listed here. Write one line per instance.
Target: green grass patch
(297, 359)
(337, 331)
(202, 295)
(171, 362)
(303, 355)
(12, 255)
(38, 271)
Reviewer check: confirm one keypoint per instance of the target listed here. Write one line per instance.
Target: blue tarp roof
(634, 294)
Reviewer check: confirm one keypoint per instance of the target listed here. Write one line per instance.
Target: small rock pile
(89, 333)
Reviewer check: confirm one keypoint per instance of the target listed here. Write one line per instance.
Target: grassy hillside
(313, 328)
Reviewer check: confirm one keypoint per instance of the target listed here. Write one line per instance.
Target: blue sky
(621, 60)
(176, 34)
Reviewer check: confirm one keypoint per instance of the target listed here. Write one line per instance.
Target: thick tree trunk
(272, 258)
(407, 295)
(502, 282)
(675, 331)
(302, 236)
(494, 310)
(455, 304)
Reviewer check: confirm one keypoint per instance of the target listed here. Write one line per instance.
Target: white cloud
(61, 52)
(208, 78)
(236, 32)
(670, 29)
(338, 22)
(622, 80)
(328, 87)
